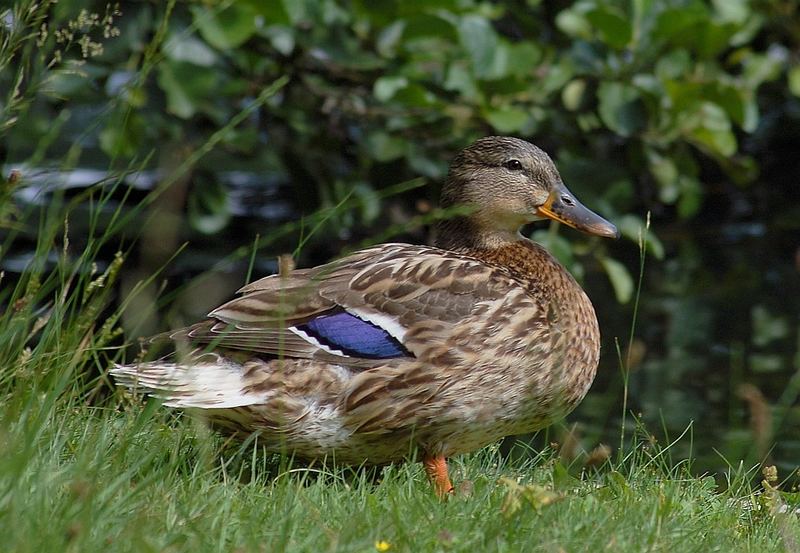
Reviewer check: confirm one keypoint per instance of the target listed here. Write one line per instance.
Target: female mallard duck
(397, 348)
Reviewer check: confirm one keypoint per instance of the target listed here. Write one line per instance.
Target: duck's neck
(462, 234)
(531, 264)
(526, 260)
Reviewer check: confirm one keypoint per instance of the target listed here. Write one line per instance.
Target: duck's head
(507, 182)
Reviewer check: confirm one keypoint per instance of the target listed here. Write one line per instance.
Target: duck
(399, 351)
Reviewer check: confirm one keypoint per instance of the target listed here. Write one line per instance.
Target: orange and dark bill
(562, 206)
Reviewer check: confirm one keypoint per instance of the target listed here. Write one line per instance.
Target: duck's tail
(208, 381)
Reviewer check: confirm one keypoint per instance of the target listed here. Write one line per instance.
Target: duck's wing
(388, 302)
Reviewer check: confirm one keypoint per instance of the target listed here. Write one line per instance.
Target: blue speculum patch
(353, 336)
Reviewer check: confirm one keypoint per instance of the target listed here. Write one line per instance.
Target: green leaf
(333, 14)
(386, 87)
(297, 10)
(227, 28)
(281, 37)
(719, 142)
(431, 26)
(761, 68)
(188, 48)
(589, 57)
(66, 83)
(673, 64)
(187, 86)
(573, 21)
(713, 130)
(523, 58)
(572, 94)
(614, 28)
(123, 136)
(691, 196)
(384, 147)
(123, 86)
(274, 13)
(389, 38)
(369, 201)
(420, 161)
(507, 119)
(714, 37)
(765, 362)
(633, 228)
(460, 79)
(732, 11)
(179, 101)
(794, 80)
(561, 248)
(415, 95)
(208, 206)
(620, 108)
(620, 279)
(734, 101)
(665, 171)
(742, 169)
(767, 327)
(553, 79)
(648, 85)
(480, 41)
(677, 22)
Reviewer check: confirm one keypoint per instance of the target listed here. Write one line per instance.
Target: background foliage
(234, 125)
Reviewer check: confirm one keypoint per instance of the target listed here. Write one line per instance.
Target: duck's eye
(513, 165)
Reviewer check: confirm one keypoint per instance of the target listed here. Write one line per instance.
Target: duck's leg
(436, 469)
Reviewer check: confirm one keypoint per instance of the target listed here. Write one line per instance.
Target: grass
(84, 468)
(74, 477)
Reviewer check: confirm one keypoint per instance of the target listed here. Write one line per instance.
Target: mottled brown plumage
(398, 348)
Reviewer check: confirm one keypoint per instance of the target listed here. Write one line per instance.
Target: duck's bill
(563, 207)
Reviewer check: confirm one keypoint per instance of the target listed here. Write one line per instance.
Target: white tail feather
(205, 382)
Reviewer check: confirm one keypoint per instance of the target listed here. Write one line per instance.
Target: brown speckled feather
(414, 285)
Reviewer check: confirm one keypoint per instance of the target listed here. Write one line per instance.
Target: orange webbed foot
(436, 469)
